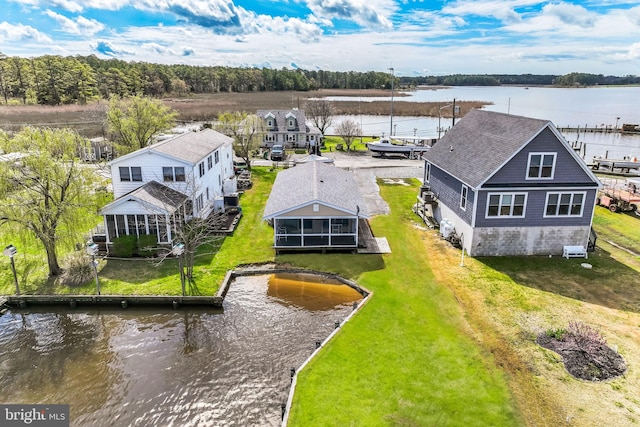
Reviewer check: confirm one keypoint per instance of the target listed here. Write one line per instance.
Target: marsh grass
(206, 107)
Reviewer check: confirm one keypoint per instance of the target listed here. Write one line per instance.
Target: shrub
(586, 337)
(124, 246)
(147, 245)
(556, 333)
(77, 269)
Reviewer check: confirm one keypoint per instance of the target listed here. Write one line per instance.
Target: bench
(574, 252)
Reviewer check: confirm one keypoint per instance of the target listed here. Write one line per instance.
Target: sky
(412, 37)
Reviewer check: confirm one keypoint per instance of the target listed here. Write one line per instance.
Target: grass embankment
(377, 371)
(405, 359)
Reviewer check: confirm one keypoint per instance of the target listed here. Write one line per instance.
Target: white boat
(385, 146)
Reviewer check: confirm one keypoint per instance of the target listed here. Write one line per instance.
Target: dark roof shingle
(481, 142)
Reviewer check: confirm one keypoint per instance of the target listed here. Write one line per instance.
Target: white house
(157, 187)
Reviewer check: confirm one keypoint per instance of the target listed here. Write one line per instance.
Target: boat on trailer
(385, 146)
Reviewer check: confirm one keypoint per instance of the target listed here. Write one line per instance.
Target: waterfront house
(288, 128)
(315, 205)
(509, 185)
(159, 186)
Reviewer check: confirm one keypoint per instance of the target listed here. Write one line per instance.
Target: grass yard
(405, 359)
(439, 343)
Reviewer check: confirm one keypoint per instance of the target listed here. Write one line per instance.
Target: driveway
(367, 169)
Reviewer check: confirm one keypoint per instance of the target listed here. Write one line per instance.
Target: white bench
(574, 252)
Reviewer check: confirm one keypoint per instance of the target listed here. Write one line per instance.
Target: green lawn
(403, 360)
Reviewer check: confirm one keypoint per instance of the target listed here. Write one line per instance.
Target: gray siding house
(510, 185)
(315, 205)
(288, 128)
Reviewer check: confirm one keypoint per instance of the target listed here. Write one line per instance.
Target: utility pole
(391, 126)
(454, 113)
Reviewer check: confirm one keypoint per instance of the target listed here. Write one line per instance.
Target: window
(291, 137)
(199, 203)
(270, 123)
(506, 204)
(201, 169)
(133, 173)
(209, 163)
(291, 123)
(541, 165)
(463, 197)
(427, 172)
(564, 204)
(270, 138)
(170, 174)
(217, 157)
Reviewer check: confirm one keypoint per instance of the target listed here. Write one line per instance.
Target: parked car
(239, 165)
(277, 153)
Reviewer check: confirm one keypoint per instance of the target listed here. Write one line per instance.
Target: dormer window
(270, 123)
(291, 123)
(541, 165)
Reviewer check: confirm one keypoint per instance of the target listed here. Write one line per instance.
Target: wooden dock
(615, 165)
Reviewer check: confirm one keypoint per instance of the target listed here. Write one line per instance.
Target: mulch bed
(599, 364)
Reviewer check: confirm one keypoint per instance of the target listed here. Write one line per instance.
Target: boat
(385, 146)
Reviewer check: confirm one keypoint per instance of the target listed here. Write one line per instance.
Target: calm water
(599, 106)
(181, 368)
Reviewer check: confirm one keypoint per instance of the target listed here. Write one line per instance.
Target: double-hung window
(170, 174)
(209, 162)
(541, 165)
(216, 156)
(133, 173)
(201, 169)
(427, 172)
(564, 204)
(464, 192)
(506, 205)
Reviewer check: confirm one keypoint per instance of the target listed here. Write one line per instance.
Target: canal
(163, 367)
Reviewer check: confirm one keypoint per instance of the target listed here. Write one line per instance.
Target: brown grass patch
(207, 107)
(506, 315)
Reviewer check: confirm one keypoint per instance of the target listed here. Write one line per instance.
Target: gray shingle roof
(481, 142)
(192, 146)
(281, 118)
(153, 194)
(315, 182)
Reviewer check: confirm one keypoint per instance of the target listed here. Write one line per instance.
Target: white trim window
(133, 173)
(269, 137)
(427, 172)
(291, 137)
(541, 165)
(500, 205)
(173, 173)
(464, 193)
(564, 204)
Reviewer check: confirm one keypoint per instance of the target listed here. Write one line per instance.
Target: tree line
(56, 80)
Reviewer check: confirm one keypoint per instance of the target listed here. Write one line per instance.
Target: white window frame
(501, 205)
(568, 214)
(427, 172)
(542, 156)
(464, 195)
(291, 137)
(129, 173)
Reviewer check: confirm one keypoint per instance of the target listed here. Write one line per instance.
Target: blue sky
(415, 37)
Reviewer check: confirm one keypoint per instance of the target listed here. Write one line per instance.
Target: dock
(615, 165)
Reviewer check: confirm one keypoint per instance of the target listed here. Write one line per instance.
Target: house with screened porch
(160, 186)
(510, 185)
(315, 206)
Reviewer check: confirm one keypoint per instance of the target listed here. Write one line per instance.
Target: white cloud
(501, 10)
(367, 13)
(80, 26)
(18, 32)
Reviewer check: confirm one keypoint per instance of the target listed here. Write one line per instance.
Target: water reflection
(187, 368)
(310, 292)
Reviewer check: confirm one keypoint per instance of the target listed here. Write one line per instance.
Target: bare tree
(247, 131)
(320, 112)
(348, 130)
